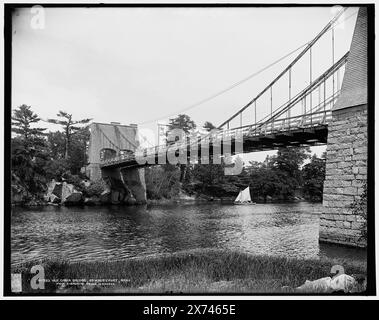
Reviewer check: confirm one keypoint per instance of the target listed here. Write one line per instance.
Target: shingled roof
(354, 85)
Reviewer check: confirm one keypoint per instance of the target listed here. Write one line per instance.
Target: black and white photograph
(189, 150)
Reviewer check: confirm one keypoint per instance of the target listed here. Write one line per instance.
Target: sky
(146, 65)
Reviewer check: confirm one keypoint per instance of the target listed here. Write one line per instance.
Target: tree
(182, 121)
(70, 128)
(209, 174)
(280, 175)
(313, 178)
(58, 165)
(185, 123)
(162, 181)
(290, 160)
(209, 126)
(22, 120)
(78, 150)
(28, 154)
(56, 168)
(261, 180)
(56, 142)
(27, 165)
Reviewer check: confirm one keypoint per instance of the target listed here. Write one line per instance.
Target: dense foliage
(37, 156)
(291, 173)
(70, 128)
(313, 177)
(28, 149)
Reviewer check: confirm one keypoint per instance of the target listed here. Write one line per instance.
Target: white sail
(238, 199)
(244, 196)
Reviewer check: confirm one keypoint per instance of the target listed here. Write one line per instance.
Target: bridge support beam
(134, 179)
(346, 160)
(107, 140)
(93, 171)
(127, 185)
(346, 172)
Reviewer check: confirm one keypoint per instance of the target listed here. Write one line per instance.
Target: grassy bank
(204, 271)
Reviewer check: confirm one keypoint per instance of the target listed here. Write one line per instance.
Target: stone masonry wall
(346, 171)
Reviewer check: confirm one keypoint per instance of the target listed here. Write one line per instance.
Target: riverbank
(78, 192)
(196, 271)
(163, 201)
(188, 201)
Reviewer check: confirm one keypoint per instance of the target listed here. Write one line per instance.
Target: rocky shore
(94, 194)
(68, 194)
(89, 193)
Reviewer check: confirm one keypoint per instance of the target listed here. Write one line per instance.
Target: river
(118, 232)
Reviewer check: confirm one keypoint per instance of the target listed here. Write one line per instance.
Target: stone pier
(127, 185)
(134, 179)
(106, 141)
(346, 161)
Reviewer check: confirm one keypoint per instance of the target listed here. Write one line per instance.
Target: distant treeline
(289, 173)
(280, 177)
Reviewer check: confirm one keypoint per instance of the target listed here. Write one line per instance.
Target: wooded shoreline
(40, 157)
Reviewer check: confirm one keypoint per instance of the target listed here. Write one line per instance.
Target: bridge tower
(108, 141)
(346, 161)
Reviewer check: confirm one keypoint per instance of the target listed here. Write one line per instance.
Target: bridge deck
(309, 130)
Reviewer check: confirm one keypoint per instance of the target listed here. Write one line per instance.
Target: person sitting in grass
(338, 283)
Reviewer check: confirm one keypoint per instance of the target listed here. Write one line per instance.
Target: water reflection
(101, 233)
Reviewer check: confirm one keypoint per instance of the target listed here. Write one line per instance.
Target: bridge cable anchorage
(297, 58)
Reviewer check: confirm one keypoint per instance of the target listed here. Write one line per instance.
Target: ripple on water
(101, 233)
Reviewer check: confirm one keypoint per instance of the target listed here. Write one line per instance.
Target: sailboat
(244, 197)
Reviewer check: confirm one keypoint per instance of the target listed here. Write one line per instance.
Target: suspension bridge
(327, 109)
(301, 120)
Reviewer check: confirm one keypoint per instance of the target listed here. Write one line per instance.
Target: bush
(95, 188)
(75, 180)
(55, 169)
(162, 182)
